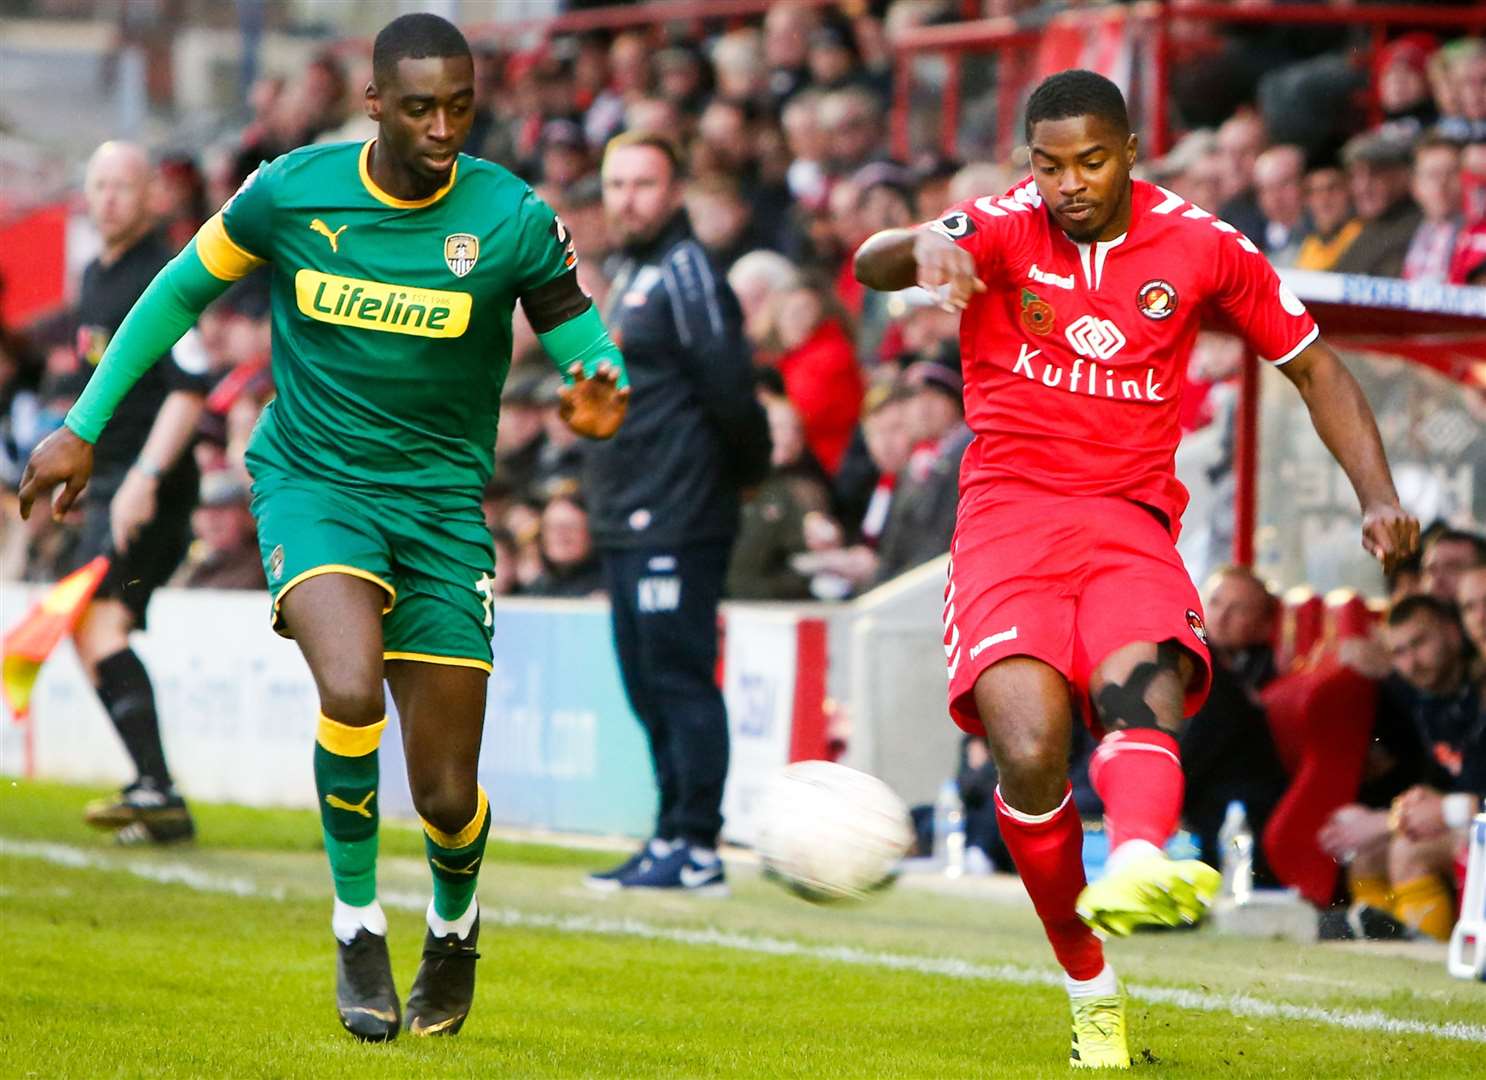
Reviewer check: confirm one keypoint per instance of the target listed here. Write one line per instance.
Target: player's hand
(942, 262)
(132, 508)
(594, 405)
(61, 460)
(1418, 813)
(1389, 534)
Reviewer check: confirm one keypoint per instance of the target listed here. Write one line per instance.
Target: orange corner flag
(32, 640)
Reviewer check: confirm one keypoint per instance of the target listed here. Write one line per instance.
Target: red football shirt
(1075, 357)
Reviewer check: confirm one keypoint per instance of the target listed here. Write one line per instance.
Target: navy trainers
(612, 880)
(686, 869)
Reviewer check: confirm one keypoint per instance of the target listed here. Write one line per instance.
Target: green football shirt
(391, 317)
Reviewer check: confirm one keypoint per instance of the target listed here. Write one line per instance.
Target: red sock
(1138, 774)
(1048, 850)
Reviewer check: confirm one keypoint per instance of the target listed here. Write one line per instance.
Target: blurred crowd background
(784, 117)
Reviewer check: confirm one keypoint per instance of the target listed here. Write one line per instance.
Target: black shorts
(148, 563)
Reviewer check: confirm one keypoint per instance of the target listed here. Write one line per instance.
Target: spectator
(629, 80)
(1241, 139)
(787, 30)
(570, 566)
(921, 522)
(785, 517)
(1227, 752)
(1448, 554)
(1470, 600)
(1278, 173)
(815, 358)
(1333, 227)
(559, 464)
(224, 549)
(723, 218)
(1242, 619)
(1436, 189)
(1397, 847)
(1463, 112)
(505, 581)
(1379, 173)
(756, 279)
(738, 61)
(1403, 84)
(807, 144)
(869, 472)
(853, 124)
(683, 78)
(1468, 266)
(1193, 169)
(518, 440)
(563, 153)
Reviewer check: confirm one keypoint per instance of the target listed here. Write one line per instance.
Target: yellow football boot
(1099, 1033)
(1154, 891)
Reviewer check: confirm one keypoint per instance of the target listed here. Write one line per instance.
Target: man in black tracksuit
(663, 496)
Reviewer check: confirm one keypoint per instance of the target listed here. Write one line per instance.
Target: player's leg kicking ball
(1138, 774)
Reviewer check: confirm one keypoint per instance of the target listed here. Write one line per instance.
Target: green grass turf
(48, 811)
(107, 973)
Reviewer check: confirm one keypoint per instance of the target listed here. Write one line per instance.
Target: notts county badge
(461, 249)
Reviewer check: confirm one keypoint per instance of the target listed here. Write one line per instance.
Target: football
(829, 833)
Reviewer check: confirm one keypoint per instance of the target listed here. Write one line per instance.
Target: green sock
(346, 777)
(455, 858)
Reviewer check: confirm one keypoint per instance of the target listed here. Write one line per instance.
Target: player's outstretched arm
(901, 258)
(1345, 423)
(168, 308)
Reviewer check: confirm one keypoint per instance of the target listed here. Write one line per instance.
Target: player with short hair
(1082, 293)
(396, 266)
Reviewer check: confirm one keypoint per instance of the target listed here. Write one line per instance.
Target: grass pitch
(216, 961)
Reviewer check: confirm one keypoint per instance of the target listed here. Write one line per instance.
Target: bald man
(1278, 174)
(137, 509)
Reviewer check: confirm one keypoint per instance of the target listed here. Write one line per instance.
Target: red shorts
(1067, 580)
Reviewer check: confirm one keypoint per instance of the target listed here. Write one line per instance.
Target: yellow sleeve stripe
(220, 254)
(343, 740)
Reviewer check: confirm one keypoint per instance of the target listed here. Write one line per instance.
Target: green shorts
(435, 563)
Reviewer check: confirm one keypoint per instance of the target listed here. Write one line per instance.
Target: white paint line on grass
(1246, 1005)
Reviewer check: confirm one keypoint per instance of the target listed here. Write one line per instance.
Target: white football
(831, 833)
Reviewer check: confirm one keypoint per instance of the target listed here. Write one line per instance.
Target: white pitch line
(1246, 1005)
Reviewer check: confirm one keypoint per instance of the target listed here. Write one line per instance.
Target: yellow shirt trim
(465, 836)
(220, 254)
(392, 200)
(343, 740)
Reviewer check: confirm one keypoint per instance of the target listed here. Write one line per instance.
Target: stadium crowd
(1381, 170)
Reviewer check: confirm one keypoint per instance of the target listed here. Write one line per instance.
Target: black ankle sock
(124, 688)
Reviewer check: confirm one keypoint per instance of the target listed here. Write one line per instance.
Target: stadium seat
(1321, 718)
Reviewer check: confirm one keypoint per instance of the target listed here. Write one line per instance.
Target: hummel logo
(693, 876)
(995, 639)
(316, 225)
(470, 869)
(1062, 281)
(337, 803)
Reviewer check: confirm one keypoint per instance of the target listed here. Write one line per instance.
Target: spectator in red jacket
(816, 359)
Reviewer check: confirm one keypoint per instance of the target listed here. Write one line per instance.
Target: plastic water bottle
(1237, 843)
(949, 829)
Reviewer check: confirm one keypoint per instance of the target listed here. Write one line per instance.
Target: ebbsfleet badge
(1156, 299)
(461, 250)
